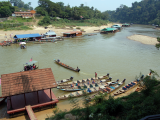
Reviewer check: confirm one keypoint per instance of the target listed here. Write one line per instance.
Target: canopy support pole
(38, 96)
(11, 103)
(51, 93)
(25, 99)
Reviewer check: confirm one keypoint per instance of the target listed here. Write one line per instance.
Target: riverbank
(144, 39)
(8, 35)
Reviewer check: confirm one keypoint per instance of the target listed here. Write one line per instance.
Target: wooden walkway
(30, 113)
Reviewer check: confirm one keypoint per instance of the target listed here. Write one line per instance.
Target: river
(101, 53)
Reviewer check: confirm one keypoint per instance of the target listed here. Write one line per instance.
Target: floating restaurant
(72, 34)
(28, 90)
(24, 37)
(108, 30)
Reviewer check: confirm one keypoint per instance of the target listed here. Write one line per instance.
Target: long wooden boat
(86, 80)
(83, 86)
(65, 80)
(112, 87)
(89, 91)
(66, 66)
(126, 88)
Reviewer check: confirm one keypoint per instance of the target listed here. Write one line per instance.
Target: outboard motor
(124, 80)
(142, 77)
(108, 74)
(78, 70)
(110, 78)
(71, 78)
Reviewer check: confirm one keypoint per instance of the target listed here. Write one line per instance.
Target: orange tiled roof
(27, 81)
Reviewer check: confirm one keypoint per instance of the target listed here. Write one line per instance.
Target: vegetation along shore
(109, 100)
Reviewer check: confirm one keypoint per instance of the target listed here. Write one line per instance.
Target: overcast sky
(101, 5)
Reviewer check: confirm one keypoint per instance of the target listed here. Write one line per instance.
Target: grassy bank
(132, 107)
(16, 23)
(18, 28)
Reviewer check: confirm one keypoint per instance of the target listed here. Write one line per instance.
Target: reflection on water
(101, 53)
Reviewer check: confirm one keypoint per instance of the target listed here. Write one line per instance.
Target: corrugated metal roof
(116, 26)
(108, 29)
(50, 32)
(27, 81)
(27, 36)
(125, 24)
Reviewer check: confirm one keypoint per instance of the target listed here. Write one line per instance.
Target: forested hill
(60, 10)
(144, 12)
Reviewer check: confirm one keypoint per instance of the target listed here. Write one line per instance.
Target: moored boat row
(86, 80)
(66, 66)
(83, 86)
(91, 90)
(126, 87)
(129, 86)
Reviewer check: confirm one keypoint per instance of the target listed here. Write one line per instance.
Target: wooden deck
(30, 113)
(19, 102)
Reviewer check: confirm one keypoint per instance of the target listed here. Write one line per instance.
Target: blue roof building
(27, 36)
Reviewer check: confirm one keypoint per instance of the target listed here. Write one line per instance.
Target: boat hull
(66, 66)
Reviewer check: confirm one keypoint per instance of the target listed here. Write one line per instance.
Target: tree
(15, 2)
(6, 9)
(158, 44)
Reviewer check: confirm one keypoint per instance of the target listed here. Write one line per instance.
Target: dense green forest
(6, 9)
(59, 10)
(20, 5)
(144, 12)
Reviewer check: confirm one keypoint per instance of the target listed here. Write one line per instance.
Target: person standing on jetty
(95, 75)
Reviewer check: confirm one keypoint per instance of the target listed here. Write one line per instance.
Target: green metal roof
(108, 29)
(125, 24)
(116, 26)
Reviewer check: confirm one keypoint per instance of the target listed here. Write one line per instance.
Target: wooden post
(25, 99)
(38, 96)
(51, 93)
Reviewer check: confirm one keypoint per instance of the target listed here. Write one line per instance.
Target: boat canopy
(116, 26)
(31, 63)
(50, 32)
(109, 29)
(27, 36)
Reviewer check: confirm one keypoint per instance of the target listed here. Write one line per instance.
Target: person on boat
(95, 75)
(31, 67)
(78, 69)
(25, 68)
(58, 60)
(34, 67)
